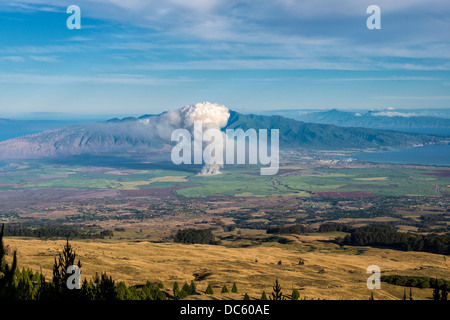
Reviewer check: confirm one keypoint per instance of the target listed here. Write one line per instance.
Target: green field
(385, 181)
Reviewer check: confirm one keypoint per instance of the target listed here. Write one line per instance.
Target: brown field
(151, 192)
(329, 272)
(345, 194)
(439, 173)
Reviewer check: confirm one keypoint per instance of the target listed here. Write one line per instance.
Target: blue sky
(145, 56)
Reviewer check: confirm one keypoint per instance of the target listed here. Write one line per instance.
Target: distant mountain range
(87, 138)
(294, 133)
(10, 129)
(131, 135)
(399, 120)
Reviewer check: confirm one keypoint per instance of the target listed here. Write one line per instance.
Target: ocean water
(437, 155)
(10, 129)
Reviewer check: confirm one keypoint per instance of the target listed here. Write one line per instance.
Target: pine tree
(65, 259)
(234, 288)
(176, 290)
(371, 296)
(410, 294)
(123, 292)
(444, 292)
(209, 290)
(176, 287)
(45, 290)
(279, 263)
(7, 287)
(263, 295)
(246, 297)
(404, 294)
(301, 262)
(436, 294)
(105, 288)
(224, 289)
(295, 294)
(25, 289)
(151, 292)
(192, 289)
(185, 290)
(277, 294)
(87, 290)
(2, 250)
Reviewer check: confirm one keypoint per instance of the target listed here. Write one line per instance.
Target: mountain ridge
(132, 135)
(299, 133)
(385, 120)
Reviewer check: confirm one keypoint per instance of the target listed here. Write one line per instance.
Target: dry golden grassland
(329, 272)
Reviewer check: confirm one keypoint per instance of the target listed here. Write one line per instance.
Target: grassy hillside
(329, 272)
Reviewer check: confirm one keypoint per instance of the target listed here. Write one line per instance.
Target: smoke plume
(212, 116)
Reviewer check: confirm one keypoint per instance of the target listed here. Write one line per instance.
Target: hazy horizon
(93, 116)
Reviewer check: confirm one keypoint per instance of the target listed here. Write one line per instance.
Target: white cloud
(44, 58)
(393, 78)
(413, 97)
(18, 5)
(12, 58)
(46, 49)
(79, 38)
(123, 79)
(282, 31)
(393, 114)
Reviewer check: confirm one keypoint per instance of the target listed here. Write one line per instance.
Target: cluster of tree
(186, 290)
(435, 217)
(383, 235)
(244, 224)
(334, 213)
(416, 282)
(33, 286)
(277, 293)
(202, 236)
(440, 292)
(54, 232)
(191, 289)
(95, 217)
(7, 273)
(229, 228)
(294, 229)
(333, 227)
(28, 285)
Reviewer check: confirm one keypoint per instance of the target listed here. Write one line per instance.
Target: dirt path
(438, 189)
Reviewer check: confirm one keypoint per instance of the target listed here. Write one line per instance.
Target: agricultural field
(320, 180)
